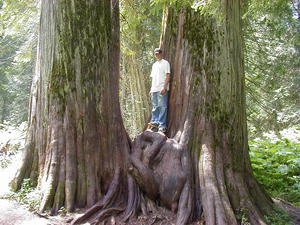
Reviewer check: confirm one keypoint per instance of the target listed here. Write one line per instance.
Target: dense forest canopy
(18, 38)
(78, 73)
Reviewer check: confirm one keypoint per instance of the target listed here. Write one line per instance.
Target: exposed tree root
(106, 203)
(105, 214)
(157, 176)
(134, 199)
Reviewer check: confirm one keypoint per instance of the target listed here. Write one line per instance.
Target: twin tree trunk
(78, 151)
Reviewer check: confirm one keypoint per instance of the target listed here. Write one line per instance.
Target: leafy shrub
(279, 217)
(28, 195)
(12, 140)
(7, 155)
(277, 167)
(242, 216)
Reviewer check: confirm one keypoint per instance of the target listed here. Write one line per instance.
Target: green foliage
(28, 195)
(140, 33)
(279, 217)
(243, 216)
(205, 7)
(178, 4)
(271, 66)
(18, 35)
(277, 167)
(8, 154)
(140, 29)
(12, 140)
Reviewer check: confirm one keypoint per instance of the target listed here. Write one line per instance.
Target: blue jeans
(159, 108)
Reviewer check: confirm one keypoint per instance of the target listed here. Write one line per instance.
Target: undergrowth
(277, 167)
(279, 217)
(28, 195)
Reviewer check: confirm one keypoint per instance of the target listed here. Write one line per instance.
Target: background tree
(6, 58)
(140, 31)
(18, 35)
(272, 66)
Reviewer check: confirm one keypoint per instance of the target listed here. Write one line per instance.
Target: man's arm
(167, 81)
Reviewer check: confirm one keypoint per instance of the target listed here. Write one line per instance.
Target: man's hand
(163, 91)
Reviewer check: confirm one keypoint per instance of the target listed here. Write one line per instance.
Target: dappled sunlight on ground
(12, 213)
(292, 134)
(12, 141)
(8, 173)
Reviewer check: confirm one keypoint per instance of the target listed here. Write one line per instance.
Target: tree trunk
(207, 94)
(296, 5)
(76, 138)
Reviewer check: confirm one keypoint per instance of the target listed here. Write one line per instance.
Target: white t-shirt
(158, 74)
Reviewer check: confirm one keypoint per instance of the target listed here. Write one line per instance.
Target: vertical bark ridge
(71, 156)
(54, 149)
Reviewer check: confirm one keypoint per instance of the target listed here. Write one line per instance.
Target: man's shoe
(153, 124)
(162, 129)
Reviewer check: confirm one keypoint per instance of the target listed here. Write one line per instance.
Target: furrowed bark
(77, 138)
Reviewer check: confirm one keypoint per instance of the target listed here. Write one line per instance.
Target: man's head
(158, 53)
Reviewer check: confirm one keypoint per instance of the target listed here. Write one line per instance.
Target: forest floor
(12, 213)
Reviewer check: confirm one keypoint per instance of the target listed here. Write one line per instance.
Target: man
(160, 75)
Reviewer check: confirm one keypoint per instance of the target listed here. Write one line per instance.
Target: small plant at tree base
(279, 217)
(243, 217)
(63, 211)
(28, 195)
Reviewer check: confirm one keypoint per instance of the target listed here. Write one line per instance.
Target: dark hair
(157, 51)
